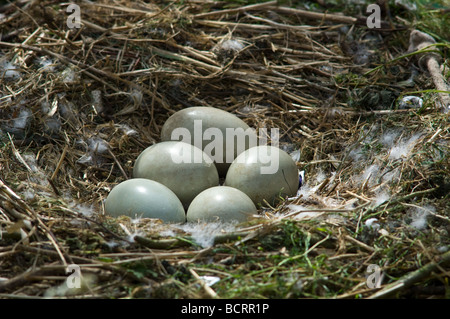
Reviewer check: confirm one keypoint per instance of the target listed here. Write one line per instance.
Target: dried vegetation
(78, 105)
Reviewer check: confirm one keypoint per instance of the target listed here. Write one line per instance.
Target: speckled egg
(264, 173)
(220, 134)
(221, 203)
(182, 167)
(139, 197)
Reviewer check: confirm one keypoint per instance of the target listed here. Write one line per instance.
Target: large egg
(139, 197)
(264, 173)
(220, 134)
(182, 167)
(221, 203)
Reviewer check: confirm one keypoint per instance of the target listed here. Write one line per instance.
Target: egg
(182, 167)
(221, 203)
(140, 197)
(220, 134)
(264, 173)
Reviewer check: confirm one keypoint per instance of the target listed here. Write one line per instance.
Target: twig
(360, 244)
(209, 291)
(161, 243)
(400, 199)
(26, 276)
(32, 213)
(18, 156)
(246, 26)
(154, 256)
(418, 41)
(58, 165)
(118, 164)
(316, 15)
(84, 68)
(412, 278)
(250, 7)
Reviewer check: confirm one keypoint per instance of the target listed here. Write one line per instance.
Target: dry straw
(78, 105)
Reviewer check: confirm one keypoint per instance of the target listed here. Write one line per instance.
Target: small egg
(139, 197)
(264, 173)
(221, 203)
(220, 134)
(182, 167)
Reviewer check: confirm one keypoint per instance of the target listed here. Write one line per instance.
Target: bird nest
(78, 105)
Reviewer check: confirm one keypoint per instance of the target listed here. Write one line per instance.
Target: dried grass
(110, 86)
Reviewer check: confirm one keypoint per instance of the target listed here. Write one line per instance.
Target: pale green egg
(221, 203)
(220, 134)
(182, 167)
(139, 197)
(264, 173)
